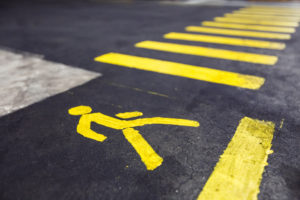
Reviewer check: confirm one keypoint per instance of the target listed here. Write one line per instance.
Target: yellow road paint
(281, 123)
(252, 21)
(272, 10)
(264, 17)
(139, 90)
(158, 94)
(183, 70)
(80, 110)
(209, 52)
(225, 40)
(148, 156)
(238, 173)
(255, 34)
(290, 12)
(274, 7)
(257, 12)
(249, 27)
(127, 115)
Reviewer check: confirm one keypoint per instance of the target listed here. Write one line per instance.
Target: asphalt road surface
(44, 156)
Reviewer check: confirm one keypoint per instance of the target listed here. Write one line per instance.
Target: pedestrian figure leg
(148, 156)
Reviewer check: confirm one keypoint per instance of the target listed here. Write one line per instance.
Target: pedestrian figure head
(80, 110)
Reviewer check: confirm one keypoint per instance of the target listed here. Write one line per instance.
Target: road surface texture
(219, 135)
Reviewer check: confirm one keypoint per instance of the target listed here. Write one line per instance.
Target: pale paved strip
(221, 31)
(257, 22)
(249, 27)
(265, 13)
(183, 70)
(264, 17)
(238, 173)
(225, 40)
(22, 86)
(209, 52)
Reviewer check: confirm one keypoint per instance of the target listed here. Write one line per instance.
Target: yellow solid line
(253, 21)
(238, 173)
(249, 27)
(209, 52)
(221, 31)
(183, 70)
(225, 40)
(265, 13)
(256, 17)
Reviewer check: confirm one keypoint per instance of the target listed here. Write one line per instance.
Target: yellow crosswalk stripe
(249, 27)
(225, 40)
(183, 70)
(292, 12)
(264, 17)
(238, 173)
(257, 12)
(255, 34)
(253, 21)
(275, 7)
(209, 52)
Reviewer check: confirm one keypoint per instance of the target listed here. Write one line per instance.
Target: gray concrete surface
(26, 79)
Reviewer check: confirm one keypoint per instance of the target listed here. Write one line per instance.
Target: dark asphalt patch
(42, 156)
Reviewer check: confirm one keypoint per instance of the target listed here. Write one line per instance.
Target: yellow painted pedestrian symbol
(148, 156)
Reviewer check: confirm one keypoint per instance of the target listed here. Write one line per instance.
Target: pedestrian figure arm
(163, 120)
(84, 128)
